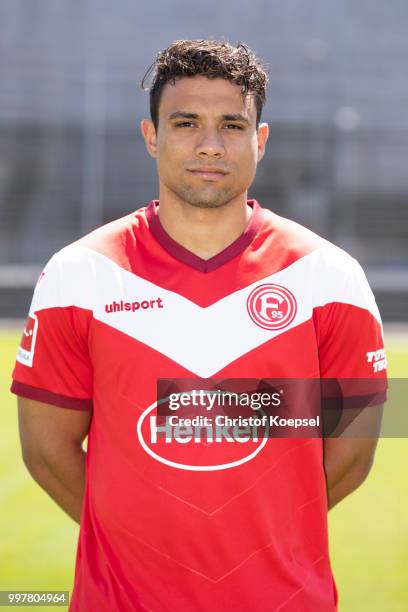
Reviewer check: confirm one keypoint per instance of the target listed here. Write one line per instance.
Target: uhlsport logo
(121, 305)
(200, 444)
(25, 352)
(271, 306)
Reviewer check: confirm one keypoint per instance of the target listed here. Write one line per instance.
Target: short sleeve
(53, 364)
(350, 337)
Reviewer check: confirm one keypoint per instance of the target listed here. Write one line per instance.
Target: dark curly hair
(210, 58)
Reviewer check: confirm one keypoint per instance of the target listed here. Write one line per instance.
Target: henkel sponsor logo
(378, 359)
(202, 443)
(121, 305)
(25, 352)
(271, 306)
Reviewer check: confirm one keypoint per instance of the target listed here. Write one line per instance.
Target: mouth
(208, 173)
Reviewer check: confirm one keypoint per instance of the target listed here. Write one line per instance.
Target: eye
(185, 124)
(233, 126)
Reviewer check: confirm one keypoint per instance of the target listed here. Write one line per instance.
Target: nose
(210, 144)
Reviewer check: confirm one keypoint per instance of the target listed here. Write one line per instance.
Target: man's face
(207, 145)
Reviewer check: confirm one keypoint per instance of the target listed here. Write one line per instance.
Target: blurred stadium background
(71, 158)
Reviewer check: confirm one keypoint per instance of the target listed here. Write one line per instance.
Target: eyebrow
(235, 117)
(185, 115)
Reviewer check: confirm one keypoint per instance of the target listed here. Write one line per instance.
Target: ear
(149, 134)
(262, 136)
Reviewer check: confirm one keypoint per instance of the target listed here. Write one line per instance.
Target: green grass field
(368, 531)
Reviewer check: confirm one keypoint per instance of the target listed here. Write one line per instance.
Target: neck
(203, 231)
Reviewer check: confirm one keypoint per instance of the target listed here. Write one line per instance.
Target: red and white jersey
(170, 528)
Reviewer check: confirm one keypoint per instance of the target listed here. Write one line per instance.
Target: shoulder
(291, 243)
(115, 240)
(71, 275)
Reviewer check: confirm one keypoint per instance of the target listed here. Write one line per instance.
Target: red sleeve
(53, 363)
(350, 341)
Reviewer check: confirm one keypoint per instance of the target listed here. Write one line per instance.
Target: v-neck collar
(194, 261)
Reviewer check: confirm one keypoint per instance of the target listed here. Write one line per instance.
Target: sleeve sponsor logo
(378, 360)
(25, 352)
(271, 306)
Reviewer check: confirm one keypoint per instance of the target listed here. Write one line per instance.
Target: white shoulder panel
(67, 280)
(340, 278)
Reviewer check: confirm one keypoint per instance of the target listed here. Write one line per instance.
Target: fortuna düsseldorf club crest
(271, 306)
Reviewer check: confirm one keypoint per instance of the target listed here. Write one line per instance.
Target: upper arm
(354, 441)
(352, 370)
(46, 430)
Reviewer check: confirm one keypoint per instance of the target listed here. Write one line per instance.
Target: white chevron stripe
(202, 340)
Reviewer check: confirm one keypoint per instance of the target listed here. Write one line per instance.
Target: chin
(205, 200)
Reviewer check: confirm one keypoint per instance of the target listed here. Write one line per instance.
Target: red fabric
(188, 258)
(61, 357)
(129, 242)
(48, 397)
(159, 538)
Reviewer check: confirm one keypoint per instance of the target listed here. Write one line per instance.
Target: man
(201, 283)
